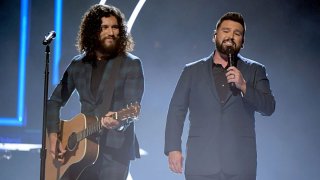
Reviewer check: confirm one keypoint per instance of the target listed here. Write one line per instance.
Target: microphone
(48, 38)
(230, 52)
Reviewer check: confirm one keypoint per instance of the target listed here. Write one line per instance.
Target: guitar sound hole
(72, 142)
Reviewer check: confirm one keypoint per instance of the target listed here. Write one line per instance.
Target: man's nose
(110, 31)
(231, 36)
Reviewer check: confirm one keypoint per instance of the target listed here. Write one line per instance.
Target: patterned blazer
(129, 87)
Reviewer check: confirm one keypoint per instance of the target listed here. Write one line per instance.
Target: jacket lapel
(208, 62)
(88, 74)
(105, 77)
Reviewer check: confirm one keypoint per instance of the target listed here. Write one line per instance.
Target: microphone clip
(48, 38)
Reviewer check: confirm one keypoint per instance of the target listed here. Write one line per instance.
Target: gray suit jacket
(221, 137)
(128, 89)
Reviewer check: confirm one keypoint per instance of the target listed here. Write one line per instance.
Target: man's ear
(214, 35)
(242, 45)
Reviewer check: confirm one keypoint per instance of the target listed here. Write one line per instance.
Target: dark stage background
(283, 35)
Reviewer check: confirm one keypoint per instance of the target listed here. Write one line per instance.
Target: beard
(108, 48)
(222, 48)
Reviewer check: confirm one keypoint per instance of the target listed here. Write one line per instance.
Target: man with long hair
(104, 45)
(222, 93)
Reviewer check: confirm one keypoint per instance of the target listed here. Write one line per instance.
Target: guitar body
(83, 154)
(82, 147)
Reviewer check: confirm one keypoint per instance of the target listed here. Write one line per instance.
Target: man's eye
(104, 27)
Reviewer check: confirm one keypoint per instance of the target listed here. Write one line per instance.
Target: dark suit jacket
(128, 89)
(221, 137)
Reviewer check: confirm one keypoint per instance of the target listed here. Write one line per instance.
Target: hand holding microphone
(234, 75)
(230, 52)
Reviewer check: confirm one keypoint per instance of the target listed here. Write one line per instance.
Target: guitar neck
(91, 129)
(125, 114)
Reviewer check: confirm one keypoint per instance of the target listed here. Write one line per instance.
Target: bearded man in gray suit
(221, 100)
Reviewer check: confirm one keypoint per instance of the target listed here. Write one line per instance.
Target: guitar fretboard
(92, 129)
(131, 111)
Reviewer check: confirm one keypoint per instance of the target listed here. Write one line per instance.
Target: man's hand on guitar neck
(109, 122)
(56, 152)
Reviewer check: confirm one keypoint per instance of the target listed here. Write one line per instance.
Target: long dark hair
(90, 27)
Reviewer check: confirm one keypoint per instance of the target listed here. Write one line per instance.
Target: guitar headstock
(131, 111)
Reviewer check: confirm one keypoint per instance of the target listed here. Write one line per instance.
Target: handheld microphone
(48, 38)
(230, 52)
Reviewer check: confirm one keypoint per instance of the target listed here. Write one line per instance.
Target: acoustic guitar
(81, 145)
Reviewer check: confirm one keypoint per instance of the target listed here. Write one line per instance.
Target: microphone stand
(43, 152)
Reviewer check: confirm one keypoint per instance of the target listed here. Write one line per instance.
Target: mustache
(229, 40)
(109, 37)
(229, 44)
